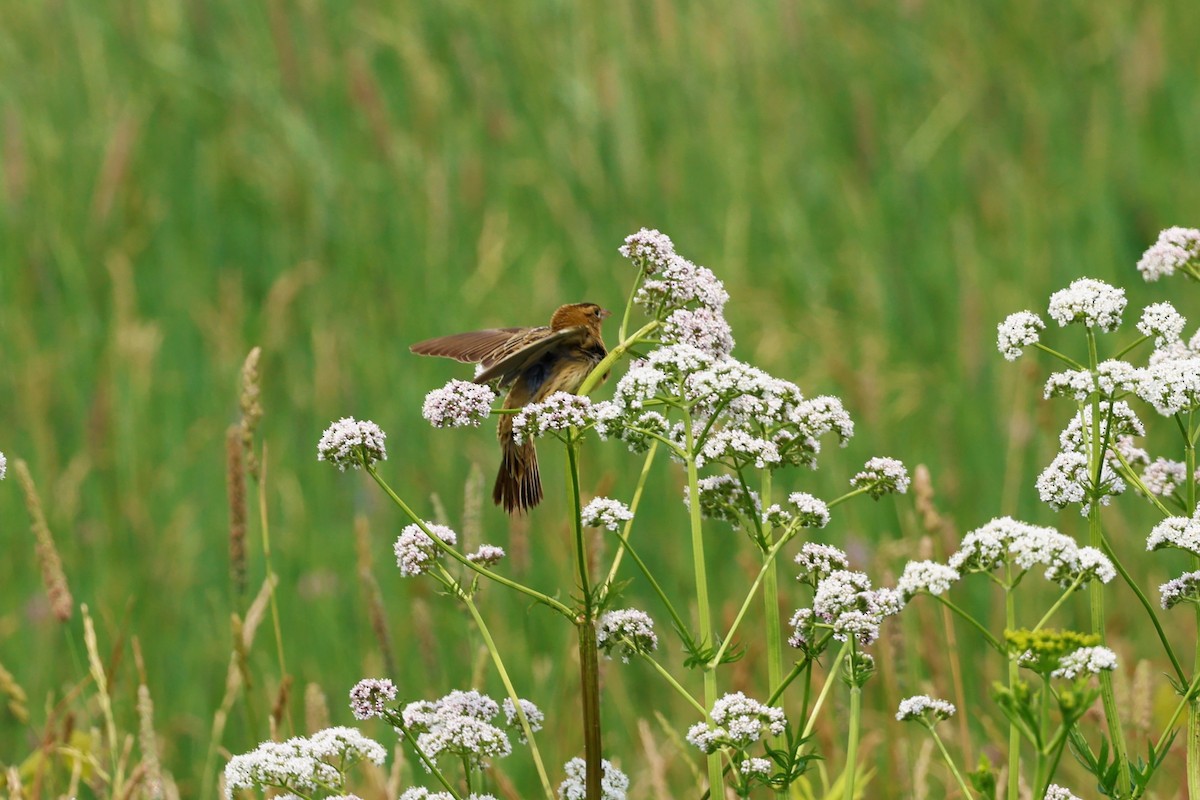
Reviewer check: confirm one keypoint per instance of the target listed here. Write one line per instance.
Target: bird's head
(575, 315)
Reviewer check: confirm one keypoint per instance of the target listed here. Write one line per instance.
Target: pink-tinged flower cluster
(649, 250)
(416, 551)
(925, 708)
(679, 283)
(487, 555)
(1176, 249)
(1184, 589)
(818, 561)
(352, 443)
(846, 604)
(370, 696)
(1090, 302)
(1018, 331)
(613, 783)
(301, 764)
(556, 414)
(626, 631)
(1085, 661)
(737, 721)
(811, 511)
(702, 328)
(3, 466)
(458, 404)
(604, 512)
(1163, 476)
(880, 476)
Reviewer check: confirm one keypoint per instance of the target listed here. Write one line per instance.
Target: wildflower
(458, 403)
(925, 708)
(738, 446)
(1171, 386)
(1065, 481)
(558, 412)
(649, 250)
(487, 555)
(679, 283)
(1085, 661)
(1017, 331)
(723, 497)
(1184, 589)
(1094, 303)
(300, 764)
(3, 466)
(370, 696)
(755, 767)
(986, 548)
(821, 415)
(804, 629)
(458, 724)
(1081, 564)
(811, 511)
(421, 793)
(613, 784)
(1163, 322)
(1175, 249)
(817, 561)
(1076, 384)
(415, 550)
(603, 512)
(1179, 532)
(628, 631)
(1054, 791)
(776, 516)
(881, 476)
(1163, 476)
(845, 601)
(702, 328)
(533, 715)
(737, 722)
(926, 576)
(352, 443)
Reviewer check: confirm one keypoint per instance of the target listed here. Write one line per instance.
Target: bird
(532, 363)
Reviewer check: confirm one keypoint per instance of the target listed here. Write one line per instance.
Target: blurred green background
(878, 183)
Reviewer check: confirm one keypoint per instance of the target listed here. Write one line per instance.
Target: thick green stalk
(1193, 730)
(852, 741)
(962, 784)
(771, 595)
(715, 779)
(1014, 733)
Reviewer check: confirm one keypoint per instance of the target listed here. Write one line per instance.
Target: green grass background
(878, 183)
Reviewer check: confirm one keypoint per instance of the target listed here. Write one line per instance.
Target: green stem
(581, 559)
(1072, 363)
(1096, 589)
(460, 558)
(1058, 603)
(601, 370)
(962, 784)
(512, 694)
(770, 573)
(715, 779)
(684, 693)
(633, 507)
(852, 740)
(1149, 607)
(1014, 734)
(992, 640)
(820, 701)
(589, 674)
(763, 573)
(680, 625)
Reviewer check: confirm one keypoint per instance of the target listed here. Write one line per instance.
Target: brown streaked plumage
(533, 363)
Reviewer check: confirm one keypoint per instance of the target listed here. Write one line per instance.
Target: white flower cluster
(1017, 331)
(1094, 303)
(1171, 385)
(1163, 322)
(1005, 540)
(1184, 589)
(613, 784)
(370, 696)
(1175, 249)
(352, 443)
(421, 793)
(301, 764)
(416, 551)
(3, 466)
(845, 603)
(701, 328)
(880, 476)
(1056, 792)
(924, 707)
(1182, 533)
(1112, 378)
(1085, 661)
(737, 722)
(533, 715)
(818, 561)
(926, 576)
(604, 512)
(458, 404)
(1164, 476)
(648, 249)
(679, 283)
(460, 724)
(487, 555)
(811, 511)
(555, 414)
(628, 631)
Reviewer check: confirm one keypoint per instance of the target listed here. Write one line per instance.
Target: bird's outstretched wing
(474, 346)
(508, 366)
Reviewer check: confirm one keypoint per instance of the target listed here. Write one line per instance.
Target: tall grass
(879, 185)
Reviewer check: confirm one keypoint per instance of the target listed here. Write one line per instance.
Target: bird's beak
(605, 313)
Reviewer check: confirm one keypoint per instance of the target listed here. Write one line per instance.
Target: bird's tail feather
(518, 485)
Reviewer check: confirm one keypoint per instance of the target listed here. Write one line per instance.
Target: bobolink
(534, 363)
